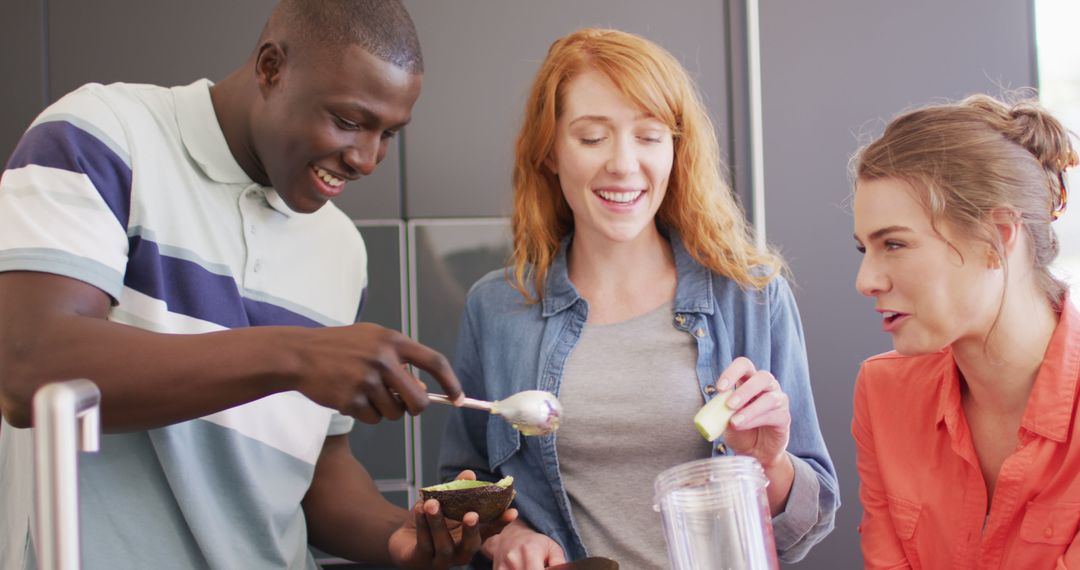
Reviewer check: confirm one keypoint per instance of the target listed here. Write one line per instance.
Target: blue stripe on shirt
(189, 289)
(360, 307)
(62, 145)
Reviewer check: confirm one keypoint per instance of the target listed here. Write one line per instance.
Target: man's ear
(269, 65)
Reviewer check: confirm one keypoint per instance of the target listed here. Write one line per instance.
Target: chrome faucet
(66, 420)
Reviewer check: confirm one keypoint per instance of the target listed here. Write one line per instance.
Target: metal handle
(66, 420)
(466, 403)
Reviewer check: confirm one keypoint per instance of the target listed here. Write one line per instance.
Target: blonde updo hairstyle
(970, 159)
(699, 205)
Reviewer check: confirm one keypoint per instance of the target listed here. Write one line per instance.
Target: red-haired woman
(636, 294)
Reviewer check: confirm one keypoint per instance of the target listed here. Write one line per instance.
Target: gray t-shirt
(631, 391)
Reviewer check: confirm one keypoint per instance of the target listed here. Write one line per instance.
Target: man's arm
(347, 516)
(55, 328)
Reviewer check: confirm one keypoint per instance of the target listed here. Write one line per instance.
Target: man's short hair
(382, 27)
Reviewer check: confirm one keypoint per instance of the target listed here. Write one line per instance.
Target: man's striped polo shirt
(132, 189)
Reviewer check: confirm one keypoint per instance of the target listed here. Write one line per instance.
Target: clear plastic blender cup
(716, 515)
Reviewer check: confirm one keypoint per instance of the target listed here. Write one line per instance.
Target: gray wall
(22, 64)
(480, 56)
(831, 70)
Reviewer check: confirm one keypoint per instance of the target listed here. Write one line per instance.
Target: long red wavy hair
(699, 204)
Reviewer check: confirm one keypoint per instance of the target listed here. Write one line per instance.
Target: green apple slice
(712, 419)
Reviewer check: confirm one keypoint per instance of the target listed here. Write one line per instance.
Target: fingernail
(723, 385)
(737, 420)
(733, 402)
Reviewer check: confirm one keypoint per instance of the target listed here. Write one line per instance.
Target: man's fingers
(408, 389)
(433, 363)
(441, 541)
(384, 398)
(470, 538)
(361, 409)
(423, 531)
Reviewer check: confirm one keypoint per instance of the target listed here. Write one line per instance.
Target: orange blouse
(923, 494)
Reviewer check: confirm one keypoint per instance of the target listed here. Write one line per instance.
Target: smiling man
(318, 104)
(177, 247)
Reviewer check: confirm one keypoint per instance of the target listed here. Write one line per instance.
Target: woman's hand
(519, 547)
(761, 425)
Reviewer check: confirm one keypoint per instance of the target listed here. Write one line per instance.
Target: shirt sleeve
(65, 195)
(810, 512)
(340, 424)
(881, 547)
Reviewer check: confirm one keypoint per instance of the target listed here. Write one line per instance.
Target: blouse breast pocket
(905, 519)
(1050, 523)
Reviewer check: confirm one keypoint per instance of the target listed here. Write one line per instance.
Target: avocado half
(459, 497)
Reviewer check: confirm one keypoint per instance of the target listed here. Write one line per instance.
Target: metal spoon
(532, 412)
(590, 563)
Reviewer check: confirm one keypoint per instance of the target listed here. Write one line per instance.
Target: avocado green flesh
(459, 484)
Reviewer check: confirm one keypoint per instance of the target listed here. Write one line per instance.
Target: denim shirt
(506, 345)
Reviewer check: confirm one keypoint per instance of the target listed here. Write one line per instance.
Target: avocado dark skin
(488, 501)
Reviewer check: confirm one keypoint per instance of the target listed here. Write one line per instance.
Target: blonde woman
(636, 294)
(968, 452)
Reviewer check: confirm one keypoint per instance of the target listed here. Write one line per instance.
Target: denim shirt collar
(693, 289)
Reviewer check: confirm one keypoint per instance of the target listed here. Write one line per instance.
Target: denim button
(721, 448)
(680, 318)
(710, 389)
(700, 333)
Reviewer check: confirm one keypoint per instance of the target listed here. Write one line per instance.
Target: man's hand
(54, 327)
(519, 547)
(430, 540)
(358, 370)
